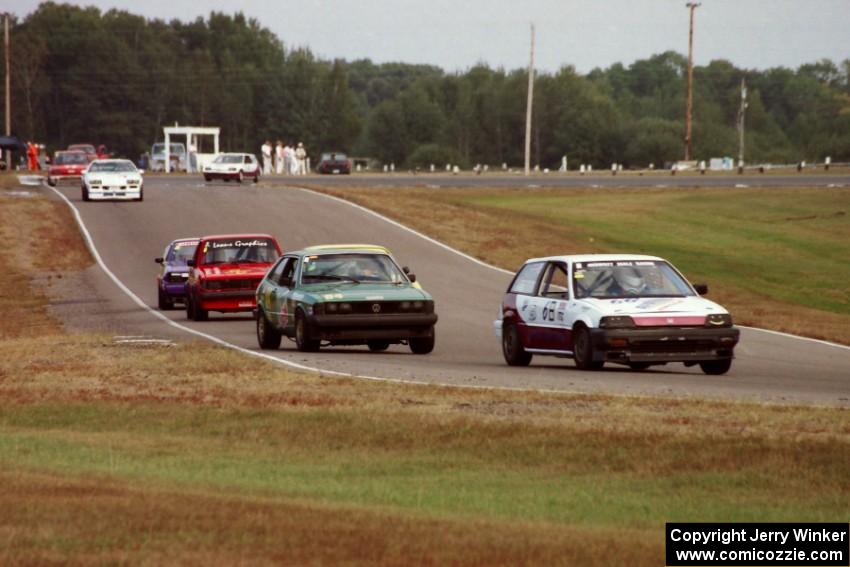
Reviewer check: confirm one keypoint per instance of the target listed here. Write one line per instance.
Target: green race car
(349, 294)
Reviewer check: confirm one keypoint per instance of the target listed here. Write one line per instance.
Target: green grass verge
(788, 244)
(441, 465)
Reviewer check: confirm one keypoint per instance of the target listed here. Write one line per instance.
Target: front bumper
(384, 326)
(228, 301)
(174, 289)
(129, 192)
(225, 175)
(664, 344)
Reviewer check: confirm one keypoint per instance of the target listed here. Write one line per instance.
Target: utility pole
(528, 107)
(6, 51)
(692, 6)
(741, 111)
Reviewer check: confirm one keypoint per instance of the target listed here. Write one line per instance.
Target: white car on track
(233, 166)
(633, 310)
(112, 179)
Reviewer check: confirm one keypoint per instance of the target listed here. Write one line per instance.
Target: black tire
(268, 337)
(51, 181)
(207, 178)
(716, 367)
(512, 349)
(422, 345)
(257, 177)
(378, 346)
(194, 312)
(163, 301)
(141, 195)
(583, 350)
(240, 177)
(85, 193)
(303, 342)
(639, 365)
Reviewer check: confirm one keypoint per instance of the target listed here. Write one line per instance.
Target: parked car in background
(177, 156)
(232, 166)
(88, 149)
(112, 179)
(633, 310)
(66, 165)
(344, 295)
(334, 162)
(174, 272)
(225, 272)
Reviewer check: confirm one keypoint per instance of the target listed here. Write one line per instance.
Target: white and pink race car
(628, 309)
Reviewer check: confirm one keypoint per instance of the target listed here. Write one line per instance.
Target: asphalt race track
(129, 235)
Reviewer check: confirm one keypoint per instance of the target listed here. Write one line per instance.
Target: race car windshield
(228, 159)
(375, 268)
(71, 159)
(182, 251)
(112, 167)
(617, 279)
(239, 251)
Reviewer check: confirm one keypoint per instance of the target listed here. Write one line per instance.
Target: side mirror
(190, 263)
(158, 260)
(701, 288)
(141, 172)
(411, 277)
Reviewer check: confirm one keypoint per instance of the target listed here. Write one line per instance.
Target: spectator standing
(301, 156)
(289, 159)
(266, 150)
(279, 157)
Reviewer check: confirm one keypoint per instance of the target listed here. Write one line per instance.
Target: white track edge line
(492, 267)
(410, 230)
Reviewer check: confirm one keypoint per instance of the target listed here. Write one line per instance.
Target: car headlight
(616, 322)
(404, 306)
(718, 320)
(94, 181)
(332, 307)
(345, 308)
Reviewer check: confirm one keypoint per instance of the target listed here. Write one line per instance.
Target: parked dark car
(334, 163)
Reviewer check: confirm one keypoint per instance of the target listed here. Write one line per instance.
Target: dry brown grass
(44, 238)
(507, 238)
(145, 526)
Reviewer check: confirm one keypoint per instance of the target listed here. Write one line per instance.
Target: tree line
(82, 75)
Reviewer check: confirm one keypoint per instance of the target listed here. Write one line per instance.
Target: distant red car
(93, 153)
(66, 165)
(225, 272)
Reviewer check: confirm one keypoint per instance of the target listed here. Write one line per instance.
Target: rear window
(526, 279)
(72, 158)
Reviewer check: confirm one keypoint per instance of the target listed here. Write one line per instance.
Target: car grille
(235, 284)
(673, 345)
(177, 277)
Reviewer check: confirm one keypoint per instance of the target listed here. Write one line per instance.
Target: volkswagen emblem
(376, 308)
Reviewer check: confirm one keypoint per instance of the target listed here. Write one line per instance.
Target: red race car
(225, 272)
(66, 165)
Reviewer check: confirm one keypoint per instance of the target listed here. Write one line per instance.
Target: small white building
(195, 160)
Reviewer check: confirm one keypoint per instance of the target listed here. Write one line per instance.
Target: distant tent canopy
(12, 144)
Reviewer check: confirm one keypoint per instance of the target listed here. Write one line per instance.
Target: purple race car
(171, 280)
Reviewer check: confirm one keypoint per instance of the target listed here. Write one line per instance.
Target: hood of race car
(656, 310)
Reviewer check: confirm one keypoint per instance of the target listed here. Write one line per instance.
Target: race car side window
(555, 282)
(527, 278)
(282, 274)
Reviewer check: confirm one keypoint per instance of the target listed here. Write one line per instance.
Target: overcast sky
(456, 34)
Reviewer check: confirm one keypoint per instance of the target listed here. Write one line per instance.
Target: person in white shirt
(301, 157)
(291, 163)
(266, 150)
(279, 157)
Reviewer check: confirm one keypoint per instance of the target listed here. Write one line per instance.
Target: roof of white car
(233, 154)
(595, 258)
(112, 161)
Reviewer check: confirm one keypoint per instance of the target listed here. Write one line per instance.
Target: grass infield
(193, 454)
